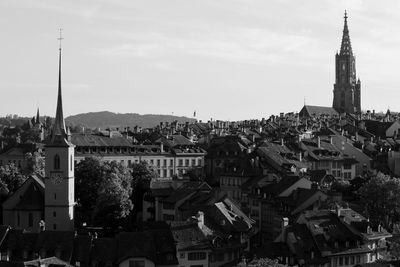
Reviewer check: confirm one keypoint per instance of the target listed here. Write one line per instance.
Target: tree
(381, 198)
(102, 192)
(11, 179)
(142, 173)
(35, 163)
(113, 195)
(88, 176)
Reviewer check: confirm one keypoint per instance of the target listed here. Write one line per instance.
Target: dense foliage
(381, 199)
(103, 191)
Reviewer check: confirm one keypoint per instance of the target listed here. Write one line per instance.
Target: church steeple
(347, 89)
(59, 172)
(37, 116)
(345, 48)
(59, 130)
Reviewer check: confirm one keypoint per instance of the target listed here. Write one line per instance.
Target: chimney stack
(284, 225)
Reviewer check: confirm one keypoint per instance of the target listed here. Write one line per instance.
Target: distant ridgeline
(106, 119)
(103, 120)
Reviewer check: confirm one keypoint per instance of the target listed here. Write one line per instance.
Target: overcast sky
(226, 59)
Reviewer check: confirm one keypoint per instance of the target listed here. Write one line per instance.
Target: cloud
(244, 45)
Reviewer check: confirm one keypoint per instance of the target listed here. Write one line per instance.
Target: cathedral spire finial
(60, 38)
(345, 48)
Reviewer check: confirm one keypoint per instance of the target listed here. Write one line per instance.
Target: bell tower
(347, 88)
(59, 171)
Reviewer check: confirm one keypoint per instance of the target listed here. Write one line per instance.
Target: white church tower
(59, 172)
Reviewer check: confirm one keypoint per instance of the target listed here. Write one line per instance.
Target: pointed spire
(37, 116)
(59, 129)
(345, 48)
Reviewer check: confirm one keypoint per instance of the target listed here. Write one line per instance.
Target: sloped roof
(188, 236)
(92, 140)
(17, 239)
(317, 111)
(32, 199)
(282, 185)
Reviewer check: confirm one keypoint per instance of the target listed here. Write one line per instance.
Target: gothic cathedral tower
(59, 172)
(347, 89)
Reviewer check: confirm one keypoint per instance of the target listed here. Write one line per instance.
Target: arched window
(56, 162)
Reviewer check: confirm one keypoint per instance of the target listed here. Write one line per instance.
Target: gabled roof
(92, 140)
(186, 190)
(32, 199)
(29, 196)
(277, 188)
(311, 111)
(188, 236)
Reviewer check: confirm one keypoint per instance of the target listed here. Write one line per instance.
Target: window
(340, 261)
(352, 260)
(346, 260)
(186, 162)
(347, 166)
(30, 219)
(180, 162)
(55, 196)
(164, 173)
(56, 162)
(54, 214)
(193, 162)
(195, 256)
(136, 263)
(181, 255)
(164, 162)
(158, 163)
(171, 162)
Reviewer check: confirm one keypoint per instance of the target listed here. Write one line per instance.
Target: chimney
(162, 147)
(42, 226)
(200, 219)
(282, 143)
(284, 225)
(319, 142)
(331, 140)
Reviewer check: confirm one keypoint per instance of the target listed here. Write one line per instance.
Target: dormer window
(56, 162)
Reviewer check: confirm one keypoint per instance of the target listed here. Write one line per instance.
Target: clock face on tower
(56, 178)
